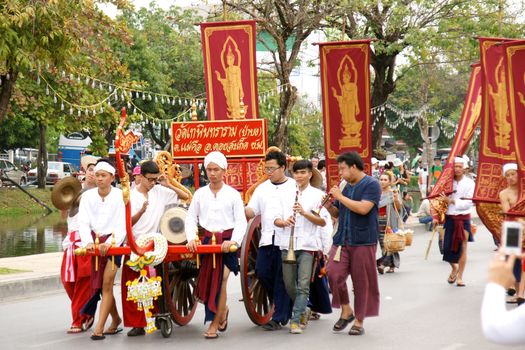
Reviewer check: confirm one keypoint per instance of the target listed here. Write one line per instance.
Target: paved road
(419, 310)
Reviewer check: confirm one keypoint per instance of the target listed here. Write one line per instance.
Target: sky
(111, 11)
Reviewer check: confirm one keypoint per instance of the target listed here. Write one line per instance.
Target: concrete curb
(21, 288)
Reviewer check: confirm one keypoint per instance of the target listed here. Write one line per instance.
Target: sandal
(381, 269)
(356, 330)
(342, 323)
(74, 330)
(460, 284)
(390, 270)
(113, 331)
(88, 323)
(209, 335)
(272, 326)
(452, 278)
(95, 336)
(224, 324)
(314, 316)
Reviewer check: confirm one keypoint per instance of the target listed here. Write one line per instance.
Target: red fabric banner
(496, 145)
(345, 87)
(467, 125)
(515, 58)
(230, 69)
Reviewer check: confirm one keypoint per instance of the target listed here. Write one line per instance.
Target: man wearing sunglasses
(278, 189)
(148, 201)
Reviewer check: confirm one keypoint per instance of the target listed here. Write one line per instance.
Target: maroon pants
(78, 291)
(360, 263)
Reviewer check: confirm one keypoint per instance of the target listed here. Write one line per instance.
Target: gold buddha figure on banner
(501, 108)
(232, 82)
(348, 103)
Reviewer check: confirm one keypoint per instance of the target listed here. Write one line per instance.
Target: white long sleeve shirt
(216, 213)
(158, 197)
(102, 216)
(263, 202)
(464, 189)
(499, 325)
(307, 235)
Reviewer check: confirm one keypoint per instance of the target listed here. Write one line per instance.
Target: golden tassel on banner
(213, 241)
(97, 241)
(337, 256)
(113, 244)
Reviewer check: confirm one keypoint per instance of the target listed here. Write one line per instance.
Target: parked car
(55, 172)
(9, 170)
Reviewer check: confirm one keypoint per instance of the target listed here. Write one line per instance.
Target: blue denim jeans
(297, 281)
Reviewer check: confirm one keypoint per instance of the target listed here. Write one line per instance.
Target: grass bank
(14, 202)
(7, 271)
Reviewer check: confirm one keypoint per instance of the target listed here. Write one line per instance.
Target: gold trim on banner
(510, 52)
(487, 120)
(208, 32)
(325, 51)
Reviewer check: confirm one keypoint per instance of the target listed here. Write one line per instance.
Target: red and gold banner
(235, 138)
(515, 58)
(230, 69)
(345, 87)
(467, 125)
(496, 147)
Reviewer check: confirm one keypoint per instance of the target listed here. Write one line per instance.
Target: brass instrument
(290, 256)
(65, 193)
(172, 171)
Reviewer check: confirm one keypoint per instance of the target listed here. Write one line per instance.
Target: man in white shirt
(219, 210)
(457, 223)
(306, 227)
(102, 213)
(148, 202)
(278, 189)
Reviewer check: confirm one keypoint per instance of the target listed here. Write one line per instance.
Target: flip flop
(452, 278)
(87, 324)
(113, 331)
(74, 330)
(97, 336)
(460, 284)
(208, 335)
(224, 324)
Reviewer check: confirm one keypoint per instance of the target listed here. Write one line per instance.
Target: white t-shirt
(499, 325)
(158, 197)
(103, 216)
(464, 189)
(307, 236)
(266, 197)
(216, 213)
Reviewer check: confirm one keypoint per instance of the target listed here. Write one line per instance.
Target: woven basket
(394, 242)
(409, 235)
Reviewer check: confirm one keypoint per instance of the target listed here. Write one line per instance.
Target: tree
(443, 28)
(289, 24)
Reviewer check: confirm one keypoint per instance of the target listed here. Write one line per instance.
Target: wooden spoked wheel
(256, 300)
(181, 278)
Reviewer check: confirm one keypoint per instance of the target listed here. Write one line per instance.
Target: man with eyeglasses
(148, 201)
(278, 189)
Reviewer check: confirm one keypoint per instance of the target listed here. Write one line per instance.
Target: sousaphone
(65, 192)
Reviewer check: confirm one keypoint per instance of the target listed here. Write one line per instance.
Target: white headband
(105, 166)
(217, 158)
(509, 166)
(461, 160)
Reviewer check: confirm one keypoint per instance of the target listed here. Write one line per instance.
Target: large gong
(180, 278)
(256, 299)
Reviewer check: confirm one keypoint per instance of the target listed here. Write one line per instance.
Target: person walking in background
(388, 219)
(355, 243)
(457, 223)
(322, 169)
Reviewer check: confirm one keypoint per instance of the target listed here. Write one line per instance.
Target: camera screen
(513, 236)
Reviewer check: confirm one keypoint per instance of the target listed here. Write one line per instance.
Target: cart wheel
(256, 299)
(180, 276)
(165, 326)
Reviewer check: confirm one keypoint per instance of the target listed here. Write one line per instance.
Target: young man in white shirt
(306, 227)
(219, 210)
(277, 190)
(102, 212)
(148, 202)
(457, 223)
